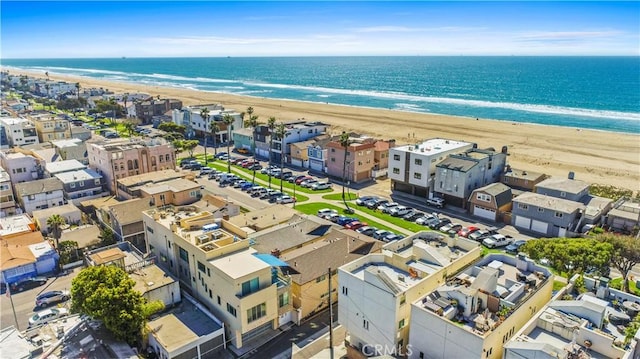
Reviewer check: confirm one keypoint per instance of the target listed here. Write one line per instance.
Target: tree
(571, 255)
(125, 98)
(228, 120)
(281, 132)
(252, 123)
(106, 237)
(344, 142)
(172, 127)
(107, 293)
(78, 90)
(129, 127)
(271, 124)
(189, 146)
(215, 128)
(68, 251)
(55, 224)
(625, 254)
(48, 87)
(204, 113)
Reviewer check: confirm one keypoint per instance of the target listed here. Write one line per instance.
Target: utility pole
(14, 308)
(330, 319)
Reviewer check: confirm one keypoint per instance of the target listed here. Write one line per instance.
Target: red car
(300, 180)
(355, 225)
(246, 164)
(465, 232)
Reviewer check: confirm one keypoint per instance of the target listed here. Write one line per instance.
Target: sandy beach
(595, 156)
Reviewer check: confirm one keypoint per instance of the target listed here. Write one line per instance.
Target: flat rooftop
(174, 185)
(433, 146)
(239, 264)
(15, 224)
(564, 184)
(389, 277)
(79, 175)
(184, 325)
(548, 202)
(150, 278)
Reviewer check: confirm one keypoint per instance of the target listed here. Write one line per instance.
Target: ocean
(601, 93)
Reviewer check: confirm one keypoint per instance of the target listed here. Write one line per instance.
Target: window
(421, 356)
(159, 157)
(320, 278)
(210, 294)
(184, 255)
(219, 301)
(396, 157)
(403, 299)
(417, 175)
(483, 197)
(333, 159)
(540, 209)
(250, 286)
(96, 181)
(256, 312)
(418, 161)
(209, 272)
(345, 290)
(396, 170)
(201, 267)
(32, 197)
(72, 185)
(365, 324)
(149, 229)
(558, 214)
(401, 323)
(231, 309)
(81, 183)
(563, 194)
(333, 150)
(167, 159)
(283, 299)
(523, 206)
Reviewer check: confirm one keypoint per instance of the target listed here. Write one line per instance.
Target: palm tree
(214, 126)
(47, 86)
(252, 122)
(281, 131)
(228, 120)
(78, 90)
(46, 73)
(204, 113)
(55, 224)
(271, 123)
(125, 98)
(129, 127)
(344, 142)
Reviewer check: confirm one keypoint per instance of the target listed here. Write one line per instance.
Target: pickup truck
(497, 240)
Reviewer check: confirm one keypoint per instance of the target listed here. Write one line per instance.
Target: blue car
(343, 220)
(246, 186)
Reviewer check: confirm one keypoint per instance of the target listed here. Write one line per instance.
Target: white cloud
(558, 36)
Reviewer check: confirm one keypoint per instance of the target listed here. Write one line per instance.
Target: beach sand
(594, 156)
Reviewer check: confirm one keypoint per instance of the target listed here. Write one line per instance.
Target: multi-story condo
(212, 258)
(125, 220)
(40, 194)
(71, 149)
(125, 157)
(51, 128)
(296, 131)
(412, 168)
(595, 324)
(375, 292)
(82, 185)
(19, 131)
(521, 179)
(476, 311)
(196, 127)
(146, 110)
(21, 167)
(4, 139)
(359, 159)
(53, 168)
(460, 174)
(129, 187)
(7, 201)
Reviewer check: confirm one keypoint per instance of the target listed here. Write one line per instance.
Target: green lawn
(313, 207)
(617, 283)
(557, 285)
(338, 196)
(395, 220)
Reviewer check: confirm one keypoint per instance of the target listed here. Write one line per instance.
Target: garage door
(523, 222)
(540, 227)
(285, 318)
(484, 213)
(296, 162)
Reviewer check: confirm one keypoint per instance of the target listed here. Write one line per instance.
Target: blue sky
(197, 28)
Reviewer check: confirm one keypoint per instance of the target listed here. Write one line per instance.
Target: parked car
(285, 199)
(258, 192)
(326, 211)
(441, 223)
(52, 297)
(333, 217)
(47, 315)
(386, 207)
(273, 197)
(353, 225)
(309, 183)
(393, 237)
(497, 240)
(184, 161)
(361, 200)
(343, 220)
(465, 232)
(412, 215)
(455, 227)
(379, 234)
(366, 230)
(221, 154)
(423, 221)
(481, 234)
(27, 283)
(320, 186)
(399, 211)
(435, 202)
(294, 179)
(256, 166)
(302, 179)
(374, 203)
(514, 247)
(239, 184)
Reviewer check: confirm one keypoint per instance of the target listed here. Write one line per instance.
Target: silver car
(54, 296)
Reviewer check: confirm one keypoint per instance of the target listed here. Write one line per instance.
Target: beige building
(129, 187)
(211, 257)
(116, 159)
(70, 213)
(51, 128)
(125, 220)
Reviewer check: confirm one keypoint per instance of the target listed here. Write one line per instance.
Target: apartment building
(71, 149)
(412, 168)
(82, 185)
(212, 258)
(196, 127)
(359, 159)
(121, 158)
(295, 131)
(40, 194)
(482, 306)
(21, 167)
(51, 128)
(7, 200)
(458, 175)
(19, 131)
(146, 110)
(375, 292)
(69, 212)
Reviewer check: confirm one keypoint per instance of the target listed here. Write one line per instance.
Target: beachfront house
(412, 168)
(317, 153)
(624, 215)
(196, 127)
(520, 179)
(546, 215)
(146, 110)
(360, 158)
(460, 174)
(296, 131)
(19, 131)
(491, 202)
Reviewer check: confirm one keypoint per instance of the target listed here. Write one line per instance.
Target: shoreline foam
(596, 156)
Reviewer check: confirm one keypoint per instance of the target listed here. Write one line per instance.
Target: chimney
(571, 175)
(504, 149)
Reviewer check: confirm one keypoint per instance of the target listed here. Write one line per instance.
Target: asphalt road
(24, 302)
